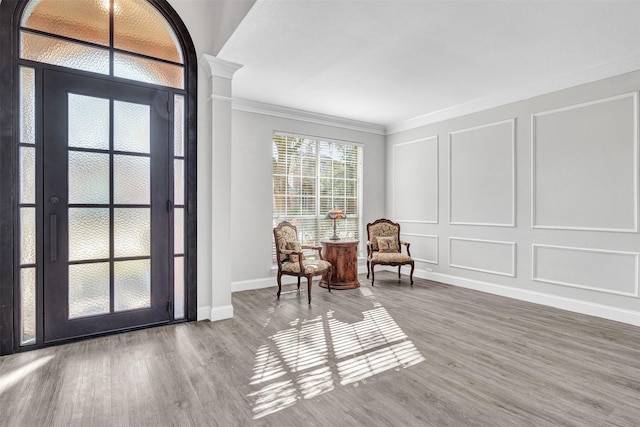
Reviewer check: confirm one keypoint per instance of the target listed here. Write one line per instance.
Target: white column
(219, 229)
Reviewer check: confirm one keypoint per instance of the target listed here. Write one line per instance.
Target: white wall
(251, 184)
(536, 200)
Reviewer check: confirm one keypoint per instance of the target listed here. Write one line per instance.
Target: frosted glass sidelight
(88, 289)
(148, 71)
(131, 127)
(178, 125)
(64, 53)
(88, 122)
(27, 173)
(131, 285)
(27, 105)
(178, 182)
(178, 241)
(131, 180)
(178, 288)
(139, 27)
(88, 233)
(27, 306)
(132, 232)
(86, 20)
(88, 177)
(27, 236)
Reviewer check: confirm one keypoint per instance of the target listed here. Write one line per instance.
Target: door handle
(53, 237)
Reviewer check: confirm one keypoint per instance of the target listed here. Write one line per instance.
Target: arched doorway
(98, 136)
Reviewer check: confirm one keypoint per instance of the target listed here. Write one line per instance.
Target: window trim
(359, 179)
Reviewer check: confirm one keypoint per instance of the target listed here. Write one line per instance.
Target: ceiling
(388, 62)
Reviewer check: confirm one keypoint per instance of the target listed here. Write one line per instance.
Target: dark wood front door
(105, 206)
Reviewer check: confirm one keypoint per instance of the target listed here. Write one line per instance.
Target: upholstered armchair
(384, 247)
(291, 259)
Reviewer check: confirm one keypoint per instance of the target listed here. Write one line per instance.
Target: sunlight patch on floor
(316, 354)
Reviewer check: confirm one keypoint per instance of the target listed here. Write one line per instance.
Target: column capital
(219, 67)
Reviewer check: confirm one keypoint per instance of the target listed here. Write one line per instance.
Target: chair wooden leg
(309, 280)
(298, 282)
(411, 274)
(367, 269)
(399, 267)
(373, 274)
(279, 283)
(329, 275)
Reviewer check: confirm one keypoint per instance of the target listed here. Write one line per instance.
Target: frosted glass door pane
(132, 232)
(139, 27)
(148, 70)
(28, 305)
(27, 105)
(88, 177)
(131, 127)
(178, 125)
(86, 20)
(27, 235)
(178, 288)
(178, 244)
(64, 53)
(131, 180)
(27, 175)
(88, 122)
(88, 233)
(178, 182)
(88, 289)
(132, 285)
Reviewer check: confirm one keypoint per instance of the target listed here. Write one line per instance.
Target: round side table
(343, 255)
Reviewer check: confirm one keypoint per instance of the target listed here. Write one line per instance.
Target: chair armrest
(369, 248)
(407, 244)
(315, 248)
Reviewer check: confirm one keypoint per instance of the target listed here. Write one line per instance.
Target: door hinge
(169, 206)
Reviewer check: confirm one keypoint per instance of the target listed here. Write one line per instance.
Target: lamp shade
(335, 214)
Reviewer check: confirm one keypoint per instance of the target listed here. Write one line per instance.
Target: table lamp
(334, 214)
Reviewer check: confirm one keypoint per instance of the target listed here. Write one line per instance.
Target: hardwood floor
(391, 355)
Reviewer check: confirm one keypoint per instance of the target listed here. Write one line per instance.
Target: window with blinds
(311, 176)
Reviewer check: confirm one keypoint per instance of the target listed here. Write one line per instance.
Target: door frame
(10, 14)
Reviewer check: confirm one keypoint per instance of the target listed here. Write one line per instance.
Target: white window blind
(312, 176)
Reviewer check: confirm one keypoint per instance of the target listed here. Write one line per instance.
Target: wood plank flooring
(389, 355)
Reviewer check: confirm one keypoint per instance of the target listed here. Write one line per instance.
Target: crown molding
(587, 75)
(219, 67)
(250, 106)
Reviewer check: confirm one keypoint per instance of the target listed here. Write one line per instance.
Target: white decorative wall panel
(585, 166)
(423, 247)
(415, 181)
(482, 175)
(606, 271)
(488, 256)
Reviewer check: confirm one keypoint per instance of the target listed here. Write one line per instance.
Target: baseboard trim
(569, 304)
(221, 313)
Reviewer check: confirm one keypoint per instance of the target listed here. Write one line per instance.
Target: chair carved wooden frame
(391, 254)
(291, 259)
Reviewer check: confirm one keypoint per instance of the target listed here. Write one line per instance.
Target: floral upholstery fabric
(287, 243)
(382, 229)
(387, 244)
(389, 257)
(310, 267)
